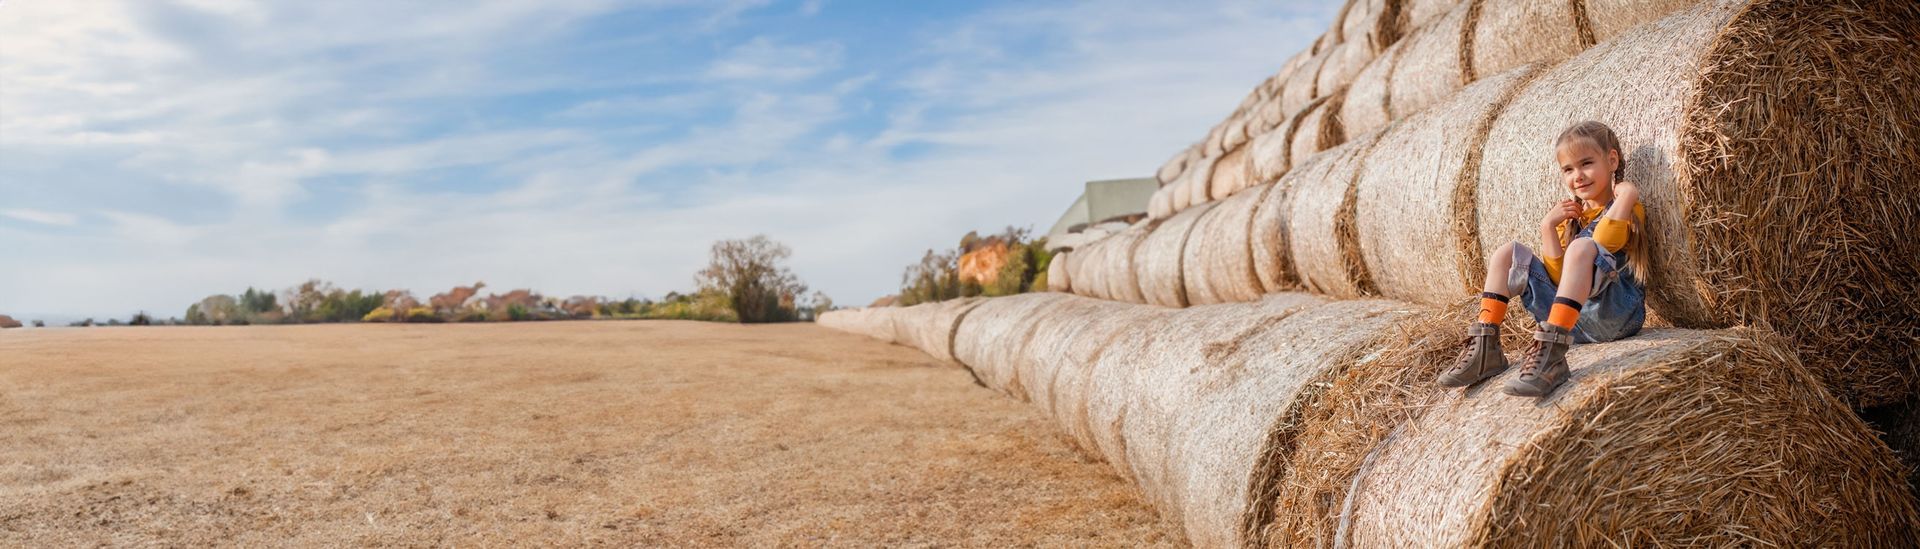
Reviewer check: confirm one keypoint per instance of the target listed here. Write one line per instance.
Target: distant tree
(216, 310)
(39, 323)
(141, 319)
(258, 301)
(752, 274)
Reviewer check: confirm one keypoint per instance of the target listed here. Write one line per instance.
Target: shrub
(378, 314)
(141, 319)
(751, 275)
(517, 312)
(421, 314)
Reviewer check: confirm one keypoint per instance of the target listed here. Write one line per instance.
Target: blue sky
(153, 153)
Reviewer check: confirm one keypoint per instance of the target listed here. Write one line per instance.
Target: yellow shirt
(1612, 234)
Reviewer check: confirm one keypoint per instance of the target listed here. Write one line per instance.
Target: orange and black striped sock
(1493, 307)
(1565, 313)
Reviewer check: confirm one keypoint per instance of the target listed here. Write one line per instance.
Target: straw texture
(929, 327)
(1301, 88)
(1321, 233)
(1117, 264)
(1415, 206)
(1671, 437)
(1343, 63)
(1509, 34)
(1414, 14)
(1218, 262)
(993, 337)
(1765, 138)
(1058, 279)
(1177, 165)
(1158, 258)
(1433, 65)
(1319, 127)
(1271, 154)
(1230, 174)
(1364, 108)
(1199, 180)
(1609, 18)
(1271, 250)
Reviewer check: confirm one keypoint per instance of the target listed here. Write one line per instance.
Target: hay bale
(1606, 19)
(992, 338)
(1320, 228)
(1345, 62)
(1812, 102)
(1157, 260)
(1058, 279)
(1244, 389)
(1155, 379)
(1415, 14)
(1230, 174)
(1217, 266)
(1094, 269)
(1272, 256)
(1160, 205)
(1236, 132)
(1300, 89)
(1364, 107)
(1076, 345)
(1117, 264)
(1672, 437)
(1177, 198)
(1319, 128)
(1271, 154)
(930, 327)
(1361, 22)
(1415, 200)
(873, 322)
(1172, 169)
(1193, 186)
(1433, 64)
(1504, 35)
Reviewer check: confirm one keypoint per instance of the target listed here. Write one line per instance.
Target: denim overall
(1617, 307)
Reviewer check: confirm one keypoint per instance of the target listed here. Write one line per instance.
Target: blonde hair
(1602, 136)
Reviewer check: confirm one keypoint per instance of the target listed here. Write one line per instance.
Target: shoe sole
(1483, 377)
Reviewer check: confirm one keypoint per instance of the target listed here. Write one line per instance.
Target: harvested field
(568, 433)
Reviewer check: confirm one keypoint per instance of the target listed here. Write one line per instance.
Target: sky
(153, 153)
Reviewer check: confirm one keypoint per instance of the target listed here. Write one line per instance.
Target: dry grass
(627, 433)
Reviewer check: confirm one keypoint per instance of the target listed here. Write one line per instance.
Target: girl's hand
(1560, 212)
(1625, 196)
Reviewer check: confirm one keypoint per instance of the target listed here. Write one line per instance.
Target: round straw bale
(1177, 198)
(1230, 174)
(929, 327)
(1765, 138)
(1271, 153)
(1236, 133)
(1094, 269)
(1267, 238)
(1098, 327)
(1364, 107)
(1609, 18)
(1415, 199)
(1160, 204)
(1058, 279)
(1361, 22)
(1244, 388)
(1053, 329)
(1157, 260)
(1218, 262)
(1117, 264)
(1320, 230)
(1318, 128)
(1300, 88)
(1433, 65)
(1505, 35)
(1415, 14)
(1346, 61)
(1672, 437)
(1174, 166)
(993, 336)
(1161, 386)
(1198, 186)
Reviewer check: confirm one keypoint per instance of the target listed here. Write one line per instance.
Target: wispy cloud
(45, 218)
(424, 144)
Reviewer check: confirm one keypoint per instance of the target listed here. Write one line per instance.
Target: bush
(421, 314)
(141, 319)
(517, 312)
(379, 314)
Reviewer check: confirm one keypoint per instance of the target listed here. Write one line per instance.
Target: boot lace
(1466, 353)
(1532, 364)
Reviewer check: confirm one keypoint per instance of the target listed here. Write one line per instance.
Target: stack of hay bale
(1773, 141)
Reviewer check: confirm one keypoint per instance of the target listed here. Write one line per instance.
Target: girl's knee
(1583, 246)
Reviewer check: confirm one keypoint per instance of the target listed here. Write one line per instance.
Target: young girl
(1584, 286)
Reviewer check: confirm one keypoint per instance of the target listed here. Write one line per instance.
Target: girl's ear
(1613, 161)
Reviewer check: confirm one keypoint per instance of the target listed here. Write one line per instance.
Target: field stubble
(571, 433)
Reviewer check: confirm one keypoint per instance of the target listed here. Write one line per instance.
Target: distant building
(1108, 200)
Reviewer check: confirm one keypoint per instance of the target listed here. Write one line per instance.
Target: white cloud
(761, 59)
(1117, 89)
(43, 217)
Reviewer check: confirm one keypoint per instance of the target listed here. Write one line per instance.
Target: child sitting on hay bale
(1585, 286)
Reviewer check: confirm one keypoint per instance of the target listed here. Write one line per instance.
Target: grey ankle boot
(1546, 365)
(1480, 359)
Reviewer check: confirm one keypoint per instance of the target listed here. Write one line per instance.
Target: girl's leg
(1576, 282)
(1498, 265)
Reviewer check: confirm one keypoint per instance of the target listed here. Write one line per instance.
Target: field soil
(529, 434)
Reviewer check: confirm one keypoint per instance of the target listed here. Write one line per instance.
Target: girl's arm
(1616, 225)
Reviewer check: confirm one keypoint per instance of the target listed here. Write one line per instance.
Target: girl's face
(1587, 169)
